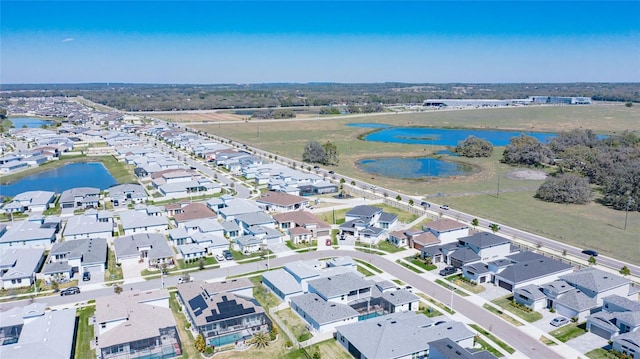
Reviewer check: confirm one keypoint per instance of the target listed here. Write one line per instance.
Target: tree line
(582, 160)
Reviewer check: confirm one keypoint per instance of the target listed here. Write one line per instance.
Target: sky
(208, 42)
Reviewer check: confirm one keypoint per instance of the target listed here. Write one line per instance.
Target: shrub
(552, 310)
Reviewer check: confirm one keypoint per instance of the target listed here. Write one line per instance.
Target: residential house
(302, 226)
(399, 335)
(193, 211)
(192, 251)
(619, 315)
(446, 348)
(80, 197)
(250, 220)
(248, 244)
(530, 268)
(78, 256)
(18, 266)
(447, 230)
(341, 288)
(152, 248)
(136, 324)
(221, 317)
(281, 202)
(120, 194)
(32, 332)
(136, 222)
(28, 234)
(367, 223)
(89, 225)
(322, 316)
(628, 344)
(33, 201)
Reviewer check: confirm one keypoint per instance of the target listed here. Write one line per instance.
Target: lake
(84, 174)
(413, 168)
(442, 136)
(30, 122)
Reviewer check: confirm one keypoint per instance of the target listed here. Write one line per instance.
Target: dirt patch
(527, 175)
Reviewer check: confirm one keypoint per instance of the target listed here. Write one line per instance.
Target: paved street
(526, 345)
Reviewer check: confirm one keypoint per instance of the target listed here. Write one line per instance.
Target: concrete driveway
(547, 317)
(492, 292)
(587, 342)
(131, 268)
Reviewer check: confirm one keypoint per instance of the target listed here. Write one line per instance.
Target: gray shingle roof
(484, 240)
(283, 280)
(626, 303)
(19, 262)
(595, 279)
(70, 194)
(400, 334)
(465, 255)
(56, 267)
(340, 284)
(577, 300)
(525, 271)
(363, 211)
(399, 297)
(303, 269)
(447, 348)
(256, 218)
(477, 268)
(83, 224)
(128, 246)
(321, 311)
(132, 219)
(388, 217)
(530, 291)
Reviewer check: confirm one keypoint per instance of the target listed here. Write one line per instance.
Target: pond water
(413, 168)
(30, 122)
(443, 136)
(85, 174)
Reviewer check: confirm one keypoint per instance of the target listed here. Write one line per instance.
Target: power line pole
(626, 213)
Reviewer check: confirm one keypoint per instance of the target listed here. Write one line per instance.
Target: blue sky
(308, 41)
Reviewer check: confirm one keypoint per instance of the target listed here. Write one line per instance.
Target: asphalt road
(530, 347)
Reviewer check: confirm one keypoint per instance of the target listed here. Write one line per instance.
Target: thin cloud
(68, 39)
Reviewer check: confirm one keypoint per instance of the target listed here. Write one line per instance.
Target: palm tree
(261, 340)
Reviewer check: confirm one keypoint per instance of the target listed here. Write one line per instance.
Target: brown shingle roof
(443, 225)
(194, 211)
(426, 239)
(301, 218)
(280, 198)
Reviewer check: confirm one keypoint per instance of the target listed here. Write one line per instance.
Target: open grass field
(590, 225)
(85, 333)
(199, 116)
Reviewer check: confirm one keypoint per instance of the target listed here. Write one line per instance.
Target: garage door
(93, 269)
(505, 285)
(600, 332)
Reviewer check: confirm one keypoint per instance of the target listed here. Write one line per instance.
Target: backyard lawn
(296, 325)
(85, 333)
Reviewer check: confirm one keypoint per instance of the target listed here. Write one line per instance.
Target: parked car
(447, 271)
(445, 207)
(590, 252)
(184, 279)
(331, 172)
(227, 255)
(559, 321)
(70, 291)
(86, 276)
(219, 257)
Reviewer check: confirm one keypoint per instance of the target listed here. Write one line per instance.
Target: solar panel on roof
(198, 305)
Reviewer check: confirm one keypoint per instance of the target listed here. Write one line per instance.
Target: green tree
(473, 146)
(411, 202)
(331, 153)
(398, 198)
(625, 271)
(117, 289)
(261, 340)
(314, 152)
(200, 344)
(201, 263)
(494, 227)
(475, 222)
(565, 188)
(526, 150)
(592, 260)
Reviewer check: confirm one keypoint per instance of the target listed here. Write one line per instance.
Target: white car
(219, 257)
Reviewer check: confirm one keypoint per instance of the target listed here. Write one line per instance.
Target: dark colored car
(425, 204)
(590, 252)
(86, 276)
(447, 271)
(227, 255)
(331, 172)
(70, 291)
